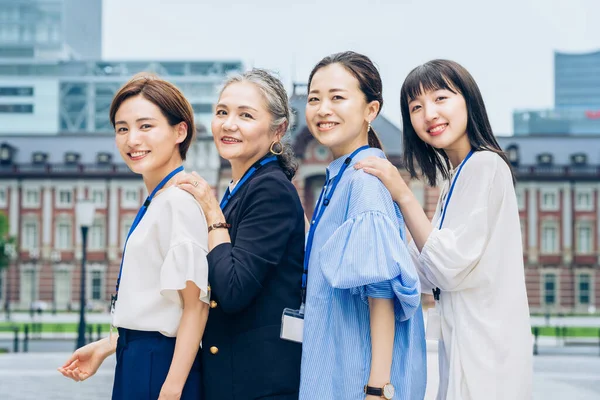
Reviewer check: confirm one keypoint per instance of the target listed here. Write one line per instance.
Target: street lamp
(34, 255)
(11, 251)
(85, 217)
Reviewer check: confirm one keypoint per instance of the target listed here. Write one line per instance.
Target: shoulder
(177, 199)
(368, 193)
(273, 183)
(490, 165)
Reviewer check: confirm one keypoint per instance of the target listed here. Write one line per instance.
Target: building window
(125, 227)
(29, 240)
(62, 288)
(549, 238)
(550, 290)
(520, 198)
(3, 196)
(584, 238)
(64, 235)
(96, 285)
(98, 197)
(549, 200)
(584, 282)
(131, 198)
(64, 198)
(31, 198)
(29, 286)
(16, 91)
(97, 235)
(16, 108)
(583, 200)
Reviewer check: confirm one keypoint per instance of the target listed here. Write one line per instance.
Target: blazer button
(213, 304)
(214, 350)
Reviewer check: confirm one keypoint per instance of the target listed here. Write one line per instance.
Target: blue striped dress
(359, 251)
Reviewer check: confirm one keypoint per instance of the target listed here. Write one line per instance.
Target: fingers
(372, 171)
(370, 162)
(71, 362)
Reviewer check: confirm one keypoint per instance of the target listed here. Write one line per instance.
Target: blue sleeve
(368, 255)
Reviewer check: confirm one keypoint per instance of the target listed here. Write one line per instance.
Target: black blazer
(252, 280)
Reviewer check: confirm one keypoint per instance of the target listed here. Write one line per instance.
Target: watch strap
(373, 391)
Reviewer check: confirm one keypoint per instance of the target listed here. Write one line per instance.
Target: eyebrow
(240, 107)
(137, 120)
(330, 90)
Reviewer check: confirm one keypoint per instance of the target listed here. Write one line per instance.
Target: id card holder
(434, 323)
(292, 325)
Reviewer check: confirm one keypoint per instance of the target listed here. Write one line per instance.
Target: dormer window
(579, 159)
(103, 158)
(545, 159)
(71, 158)
(512, 153)
(6, 154)
(39, 158)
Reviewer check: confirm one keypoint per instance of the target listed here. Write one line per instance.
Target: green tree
(5, 242)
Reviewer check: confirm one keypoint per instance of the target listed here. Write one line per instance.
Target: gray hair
(276, 100)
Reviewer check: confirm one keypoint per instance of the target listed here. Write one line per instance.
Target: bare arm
(382, 340)
(189, 334)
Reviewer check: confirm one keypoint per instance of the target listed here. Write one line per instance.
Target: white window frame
(98, 203)
(590, 227)
(60, 202)
(589, 273)
(3, 197)
(544, 248)
(25, 284)
(99, 225)
(590, 204)
(26, 242)
(61, 221)
(520, 192)
(555, 273)
(92, 269)
(127, 202)
(31, 203)
(68, 271)
(549, 207)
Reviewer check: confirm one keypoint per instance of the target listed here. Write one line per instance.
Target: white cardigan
(476, 259)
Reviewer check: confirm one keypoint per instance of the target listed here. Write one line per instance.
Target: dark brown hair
(171, 102)
(446, 75)
(369, 80)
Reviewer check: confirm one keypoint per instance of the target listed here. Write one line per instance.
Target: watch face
(388, 391)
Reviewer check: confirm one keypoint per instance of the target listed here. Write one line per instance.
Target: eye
(313, 99)
(337, 97)
(145, 126)
(122, 129)
(415, 108)
(440, 98)
(246, 115)
(221, 112)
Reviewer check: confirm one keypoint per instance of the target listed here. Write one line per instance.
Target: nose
(134, 138)
(229, 124)
(324, 109)
(431, 113)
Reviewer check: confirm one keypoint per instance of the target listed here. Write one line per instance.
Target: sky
(508, 45)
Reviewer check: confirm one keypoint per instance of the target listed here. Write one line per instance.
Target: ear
(372, 110)
(280, 131)
(181, 131)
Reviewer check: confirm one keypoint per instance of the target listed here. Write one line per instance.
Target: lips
(437, 129)
(138, 155)
(230, 140)
(326, 125)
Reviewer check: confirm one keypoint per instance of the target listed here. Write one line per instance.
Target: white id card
(434, 324)
(292, 325)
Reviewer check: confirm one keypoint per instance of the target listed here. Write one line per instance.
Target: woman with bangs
(470, 255)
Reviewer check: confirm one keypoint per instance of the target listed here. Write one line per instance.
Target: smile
(437, 130)
(326, 126)
(230, 140)
(138, 155)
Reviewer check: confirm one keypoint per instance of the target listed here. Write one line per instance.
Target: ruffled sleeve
(185, 259)
(426, 285)
(368, 256)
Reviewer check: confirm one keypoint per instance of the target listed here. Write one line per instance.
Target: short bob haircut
(447, 75)
(171, 102)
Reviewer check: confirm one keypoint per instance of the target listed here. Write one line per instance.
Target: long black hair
(446, 75)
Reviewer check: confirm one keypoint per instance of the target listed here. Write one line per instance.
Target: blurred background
(67, 199)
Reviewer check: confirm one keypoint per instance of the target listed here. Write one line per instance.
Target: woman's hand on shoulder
(388, 174)
(203, 193)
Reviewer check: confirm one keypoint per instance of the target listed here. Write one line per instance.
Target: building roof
(562, 147)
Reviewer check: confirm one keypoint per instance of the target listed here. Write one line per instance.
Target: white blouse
(476, 259)
(167, 249)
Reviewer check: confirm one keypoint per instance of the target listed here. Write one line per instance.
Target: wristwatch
(386, 392)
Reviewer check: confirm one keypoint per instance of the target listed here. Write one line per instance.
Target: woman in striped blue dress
(363, 324)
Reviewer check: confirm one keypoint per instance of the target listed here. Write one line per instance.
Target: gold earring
(279, 150)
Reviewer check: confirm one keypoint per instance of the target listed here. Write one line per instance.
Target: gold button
(213, 304)
(214, 350)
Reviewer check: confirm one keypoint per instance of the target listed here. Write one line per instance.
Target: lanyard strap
(321, 205)
(436, 291)
(138, 218)
(258, 165)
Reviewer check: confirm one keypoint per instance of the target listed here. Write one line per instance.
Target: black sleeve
(269, 217)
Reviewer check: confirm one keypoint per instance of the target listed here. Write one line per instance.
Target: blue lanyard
(326, 197)
(436, 291)
(228, 195)
(137, 220)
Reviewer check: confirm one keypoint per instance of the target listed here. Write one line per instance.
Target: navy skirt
(143, 362)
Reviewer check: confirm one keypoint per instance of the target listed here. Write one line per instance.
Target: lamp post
(34, 255)
(55, 257)
(11, 251)
(85, 216)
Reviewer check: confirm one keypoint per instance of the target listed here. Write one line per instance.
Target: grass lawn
(570, 331)
(49, 327)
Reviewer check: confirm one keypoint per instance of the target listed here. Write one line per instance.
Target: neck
(339, 151)
(239, 167)
(457, 153)
(152, 179)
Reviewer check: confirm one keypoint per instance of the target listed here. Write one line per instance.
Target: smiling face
(241, 125)
(146, 141)
(439, 117)
(337, 113)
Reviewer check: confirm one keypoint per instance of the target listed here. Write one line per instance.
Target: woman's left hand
(204, 195)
